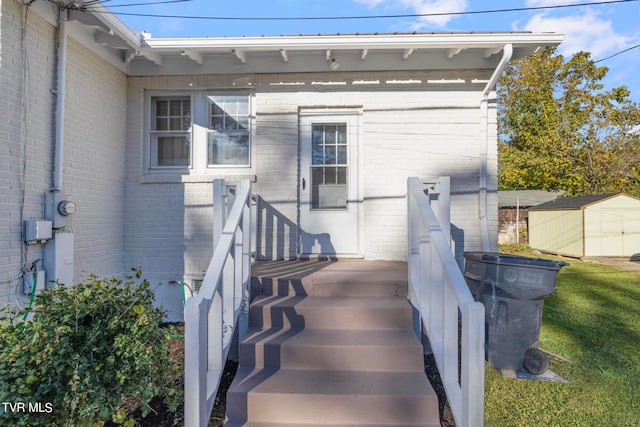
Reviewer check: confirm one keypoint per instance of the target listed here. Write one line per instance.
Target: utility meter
(66, 207)
(59, 209)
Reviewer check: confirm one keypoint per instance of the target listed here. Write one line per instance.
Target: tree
(560, 130)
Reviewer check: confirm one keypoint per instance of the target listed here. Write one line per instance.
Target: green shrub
(87, 348)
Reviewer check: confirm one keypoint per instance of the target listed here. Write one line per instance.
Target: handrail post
(247, 231)
(195, 366)
(219, 209)
(444, 206)
(212, 315)
(472, 378)
(438, 290)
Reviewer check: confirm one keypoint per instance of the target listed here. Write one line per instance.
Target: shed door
(328, 183)
(612, 228)
(631, 230)
(619, 233)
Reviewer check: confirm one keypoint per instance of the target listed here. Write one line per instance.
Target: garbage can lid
(514, 260)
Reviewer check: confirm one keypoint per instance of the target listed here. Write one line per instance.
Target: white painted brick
(126, 217)
(94, 146)
(404, 133)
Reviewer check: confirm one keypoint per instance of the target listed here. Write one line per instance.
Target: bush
(87, 348)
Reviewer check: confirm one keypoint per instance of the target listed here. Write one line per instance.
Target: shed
(513, 212)
(587, 226)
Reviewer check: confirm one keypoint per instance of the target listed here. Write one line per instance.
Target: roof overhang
(139, 54)
(357, 52)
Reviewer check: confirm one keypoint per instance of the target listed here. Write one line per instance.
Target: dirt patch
(431, 369)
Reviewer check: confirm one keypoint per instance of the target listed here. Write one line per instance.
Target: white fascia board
(117, 27)
(360, 42)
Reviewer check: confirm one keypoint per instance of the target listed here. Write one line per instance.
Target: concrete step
(328, 278)
(324, 397)
(236, 423)
(330, 344)
(297, 424)
(287, 287)
(333, 349)
(363, 312)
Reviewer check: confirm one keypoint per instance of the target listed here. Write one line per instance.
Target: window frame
(152, 131)
(250, 123)
(198, 134)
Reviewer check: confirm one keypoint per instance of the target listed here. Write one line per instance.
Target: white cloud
(423, 7)
(584, 32)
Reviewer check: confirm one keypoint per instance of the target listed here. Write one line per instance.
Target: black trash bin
(512, 289)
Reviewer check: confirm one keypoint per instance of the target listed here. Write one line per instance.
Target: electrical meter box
(37, 231)
(59, 209)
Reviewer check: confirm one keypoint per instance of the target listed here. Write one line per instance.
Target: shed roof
(579, 202)
(526, 198)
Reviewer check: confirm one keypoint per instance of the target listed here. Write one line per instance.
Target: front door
(328, 183)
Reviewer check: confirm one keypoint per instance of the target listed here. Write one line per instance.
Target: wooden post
(195, 358)
(472, 378)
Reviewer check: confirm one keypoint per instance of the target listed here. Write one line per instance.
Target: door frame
(353, 115)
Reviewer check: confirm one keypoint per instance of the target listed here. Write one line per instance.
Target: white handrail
(222, 303)
(453, 322)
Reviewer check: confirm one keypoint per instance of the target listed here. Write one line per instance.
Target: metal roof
(526, 198)
(139, 54)
(575, 203)
(314, 53)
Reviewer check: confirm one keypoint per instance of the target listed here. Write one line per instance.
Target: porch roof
(325, 52)
(141, 54)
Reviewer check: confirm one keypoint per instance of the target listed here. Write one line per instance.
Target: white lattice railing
(452, 321)
(222, 302)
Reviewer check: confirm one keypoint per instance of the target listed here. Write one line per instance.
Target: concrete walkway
(623, 263)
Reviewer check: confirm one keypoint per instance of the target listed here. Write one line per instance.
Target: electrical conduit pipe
(60, 104)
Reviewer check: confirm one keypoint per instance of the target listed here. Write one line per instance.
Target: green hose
(184, 297)
(184, 301)
(33, 294)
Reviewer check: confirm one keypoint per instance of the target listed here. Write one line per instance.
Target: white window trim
(198, 170)
(149, 151)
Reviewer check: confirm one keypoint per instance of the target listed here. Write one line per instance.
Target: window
(199, 132)
(170, 144)
(228, 130)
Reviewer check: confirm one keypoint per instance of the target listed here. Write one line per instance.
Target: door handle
(304, 184)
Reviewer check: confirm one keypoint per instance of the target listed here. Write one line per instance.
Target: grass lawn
(593, 319)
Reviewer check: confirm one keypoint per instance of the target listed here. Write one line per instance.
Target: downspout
(60, 104)
(59, 251)
(507, 52)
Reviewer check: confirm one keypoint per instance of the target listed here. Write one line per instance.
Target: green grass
(594, 321)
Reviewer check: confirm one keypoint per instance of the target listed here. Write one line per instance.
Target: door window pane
(328, 180)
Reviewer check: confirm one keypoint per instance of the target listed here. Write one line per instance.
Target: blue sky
(602, 30)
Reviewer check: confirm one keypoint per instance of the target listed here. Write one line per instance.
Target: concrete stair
(331, 354)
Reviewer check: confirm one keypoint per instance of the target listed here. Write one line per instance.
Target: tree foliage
(560, 130)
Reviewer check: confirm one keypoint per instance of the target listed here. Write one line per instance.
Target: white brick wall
(94, 146)
(424, 130)
(94, 163)
(26, 75)
(126, 217)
